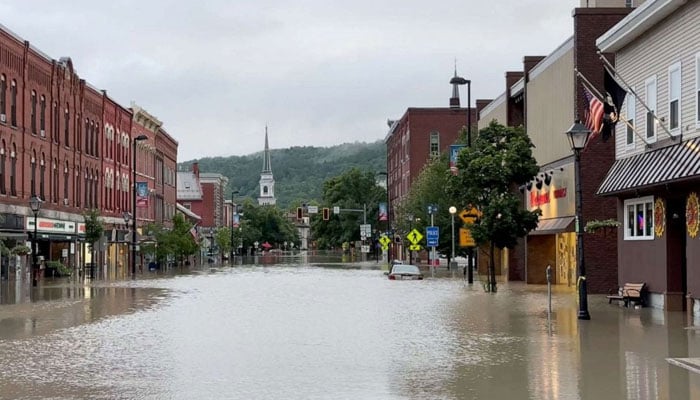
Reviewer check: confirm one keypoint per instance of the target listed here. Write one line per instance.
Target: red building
(68, 143)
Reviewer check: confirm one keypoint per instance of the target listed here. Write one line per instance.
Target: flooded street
(313, 332)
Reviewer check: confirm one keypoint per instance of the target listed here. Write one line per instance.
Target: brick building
(68, 143)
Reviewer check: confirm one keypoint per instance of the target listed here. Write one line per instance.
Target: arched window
(78, 134)
(87, 136)
(76, 185)
(42, 116)
(96, 190)
(2, 168)
(32, 119)
(66, 117)
(65, 184)
(3, 98)
(97, 140)
(33, 176)
(13, 170)
(13, 103)
(42, 178)
(54, 121)
(54, 186)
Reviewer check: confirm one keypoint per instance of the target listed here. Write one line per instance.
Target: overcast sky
(317, 72)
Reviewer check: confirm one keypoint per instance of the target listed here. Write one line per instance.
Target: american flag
(594, 113)
(193, 232)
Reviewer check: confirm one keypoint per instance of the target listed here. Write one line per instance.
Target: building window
(42, 178)
(97, 140)
(65, 184)
(42, 116)
(629, 3)
(87, 136)
(54, 186)
(639, 218)
(2, 169)
(3, 95)
(33, 117)
(631, 112)
(434, 144)
(66, 117)
(54, 127)
(33, 177)
(13, 103)
(674, 97)
(13, 170)
(650, 90)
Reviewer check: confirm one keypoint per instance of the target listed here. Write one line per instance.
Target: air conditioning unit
(42, 133)
(3, 118)
(65, 202)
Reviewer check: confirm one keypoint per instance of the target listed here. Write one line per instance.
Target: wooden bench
(629, 292)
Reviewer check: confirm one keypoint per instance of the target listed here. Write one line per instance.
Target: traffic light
(326, 214)
(300, 212)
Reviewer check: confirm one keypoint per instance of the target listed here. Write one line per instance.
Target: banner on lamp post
(454, 152)
(141, 194)
(383, 214)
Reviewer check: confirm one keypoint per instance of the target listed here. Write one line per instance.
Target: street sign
(365, 248)
(384, 240)
(414, 247)
(469, 215)
(414, 236)
(336, 210)
(433, 234)
(432, 209)
(312, 209)
(465, 238)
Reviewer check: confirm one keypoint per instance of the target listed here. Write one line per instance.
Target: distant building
(267, 181)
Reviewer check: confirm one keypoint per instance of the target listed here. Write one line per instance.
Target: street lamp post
(578, 137)
(233, 212)
(458, 80)
(35, 205)
(133, 205)
(453, 211)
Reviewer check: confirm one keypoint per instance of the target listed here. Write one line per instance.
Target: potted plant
(56, 269)
(20, 250)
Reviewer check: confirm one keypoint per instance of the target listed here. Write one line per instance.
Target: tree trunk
(492, 269)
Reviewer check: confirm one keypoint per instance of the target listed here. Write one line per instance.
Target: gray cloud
(317, 72)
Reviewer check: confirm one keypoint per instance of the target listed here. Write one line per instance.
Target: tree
(93, 229)
(265, 224)
(431, 187)
(490, 173)
(222, 237)
(353, 190)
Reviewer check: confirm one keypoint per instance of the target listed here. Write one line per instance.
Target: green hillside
(299, 171)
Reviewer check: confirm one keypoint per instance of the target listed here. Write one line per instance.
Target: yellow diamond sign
(414, 236)
(384, 241)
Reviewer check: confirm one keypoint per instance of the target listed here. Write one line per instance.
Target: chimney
(195, 169)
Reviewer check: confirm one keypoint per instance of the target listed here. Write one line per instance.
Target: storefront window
(639, 218)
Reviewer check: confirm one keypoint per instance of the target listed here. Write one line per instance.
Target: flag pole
(611, 70)
(588, 85)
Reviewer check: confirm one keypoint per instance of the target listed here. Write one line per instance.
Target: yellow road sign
(385, 247)
(414, 236)
(414, 247)
(469, 215)
(465, 238)
(384, 240)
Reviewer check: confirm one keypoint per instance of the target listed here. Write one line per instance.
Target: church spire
(454, 100)
(267, 166)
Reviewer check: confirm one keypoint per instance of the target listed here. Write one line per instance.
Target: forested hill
(299, 171)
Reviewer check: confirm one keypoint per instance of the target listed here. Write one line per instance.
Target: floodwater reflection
(343, 331)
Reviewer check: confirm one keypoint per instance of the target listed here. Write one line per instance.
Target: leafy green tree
(265, 224)
(93, 229)
(490, 173)
(222, 237)
(179, 241)
(431, 187)
(355, 189)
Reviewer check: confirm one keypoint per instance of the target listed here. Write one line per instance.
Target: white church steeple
(267, 181)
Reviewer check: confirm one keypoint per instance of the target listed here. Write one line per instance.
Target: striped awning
(664, 165)
(551, 226)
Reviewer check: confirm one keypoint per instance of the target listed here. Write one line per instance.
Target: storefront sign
(46, 225)
(554, 200)
(81, 228)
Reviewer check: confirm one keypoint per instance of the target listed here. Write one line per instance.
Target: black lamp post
(458, 80)
(578, 137)
(133, 205)
(35, 205)
(233, 212)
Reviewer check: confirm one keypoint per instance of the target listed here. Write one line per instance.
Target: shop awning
(664, 165)
(550, 226)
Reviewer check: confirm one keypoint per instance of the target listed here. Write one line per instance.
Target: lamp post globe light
(578, 136)
(453, 211)
(133, 205)
(35, 205)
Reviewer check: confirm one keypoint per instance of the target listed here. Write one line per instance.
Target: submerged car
(405, 272)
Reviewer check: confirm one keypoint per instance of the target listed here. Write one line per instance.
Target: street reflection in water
(318, 330)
